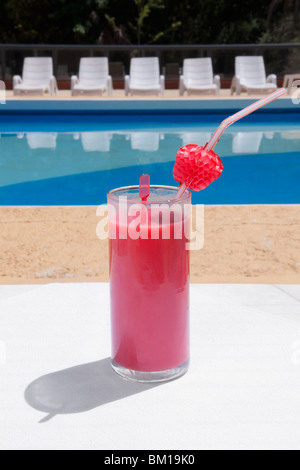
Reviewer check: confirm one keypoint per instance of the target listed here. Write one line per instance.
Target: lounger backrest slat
(37, 70)
(144, 71)
(198, 71)
(93, 70)
(250, 69)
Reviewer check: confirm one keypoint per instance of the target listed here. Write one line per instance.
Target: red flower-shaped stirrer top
(196, 167)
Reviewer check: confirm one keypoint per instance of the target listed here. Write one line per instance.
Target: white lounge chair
(93, 77)
(144, 77)
(250, 76)
(37, 77)
(198, 77)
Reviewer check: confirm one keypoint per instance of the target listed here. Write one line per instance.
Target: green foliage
(282, 22)
(149, 21)
(39, 21)
(283, 31)
(163, 34)
(283, 26)
(101, 3)
(80, 29)
(241, 32)
(144, 9)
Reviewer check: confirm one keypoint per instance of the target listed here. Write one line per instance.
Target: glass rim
(186, 196)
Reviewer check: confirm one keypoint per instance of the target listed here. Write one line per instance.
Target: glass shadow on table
(79, 389)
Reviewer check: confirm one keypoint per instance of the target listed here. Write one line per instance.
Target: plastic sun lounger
(37, 77)
(144, 77)
(250, 76)
(93, 77)
(198, 77)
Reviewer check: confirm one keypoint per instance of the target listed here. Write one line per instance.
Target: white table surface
(57, 390)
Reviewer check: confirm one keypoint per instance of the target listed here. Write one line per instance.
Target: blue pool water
(75, 160)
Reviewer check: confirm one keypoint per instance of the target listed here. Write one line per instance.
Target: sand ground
(242, 244)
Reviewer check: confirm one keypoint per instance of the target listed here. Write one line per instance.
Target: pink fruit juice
(149, 281)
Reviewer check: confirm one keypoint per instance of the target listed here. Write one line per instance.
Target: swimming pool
(75, 160)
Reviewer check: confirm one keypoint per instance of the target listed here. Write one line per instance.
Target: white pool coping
(170, 103)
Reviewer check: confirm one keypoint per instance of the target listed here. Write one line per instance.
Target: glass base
(150, 377)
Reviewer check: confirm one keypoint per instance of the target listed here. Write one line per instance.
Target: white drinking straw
(231, 119)
(244, 112)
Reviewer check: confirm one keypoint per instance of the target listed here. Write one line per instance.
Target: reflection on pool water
(261, 163)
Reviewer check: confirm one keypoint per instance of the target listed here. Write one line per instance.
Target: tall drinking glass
(149, 283)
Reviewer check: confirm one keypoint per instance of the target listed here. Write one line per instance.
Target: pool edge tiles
(119, 106)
